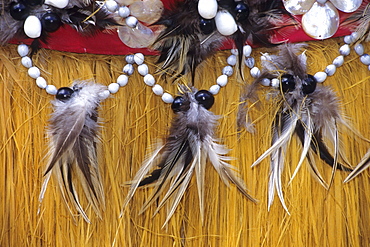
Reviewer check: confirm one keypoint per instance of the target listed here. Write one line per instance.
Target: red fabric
(68, 40)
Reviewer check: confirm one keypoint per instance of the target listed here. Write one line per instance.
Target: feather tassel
(306, 109)
(73, 134)
(189, 145)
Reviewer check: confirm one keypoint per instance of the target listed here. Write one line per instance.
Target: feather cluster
(360, 23)
(188, 39)
(306, 109)
(189, 145)
(73, 143)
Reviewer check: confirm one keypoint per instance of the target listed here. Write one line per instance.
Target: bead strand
(358, 48)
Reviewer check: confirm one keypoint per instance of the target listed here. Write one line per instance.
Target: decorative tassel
(188, 39)
(307, 109)
(190, 143)
(73, 133)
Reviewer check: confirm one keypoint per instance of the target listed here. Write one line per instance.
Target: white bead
(34, 72)
(51, 89)
(234, 52)
(214, 89)
(225, 23)
(143, 69)
(368, 67)
(354, 35)
(222, 80)
(60, 4)
(247, 50)
(231, 60)
(157, 90)
(275, 83)
(32, 27)
(265, 82)
(41, 82)
(149, 80)
(320, 76)
(359, 49)
(26, 62)
(111, 5)
(338, 61)
(123, 11)
(139, 58)
(365, 59)
(128, 69)
(344, 50)
(22, 50)
(167, 98)
(130, 59)
(330, 69)
(131, 21)
(249, 61)
(321, 1)
(255, 72)
(113, 87)
(105, 94)
(207, 8)
(227, 70)
(122, 80)
(348, 39)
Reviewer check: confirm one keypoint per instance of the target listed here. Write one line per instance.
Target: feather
(362, 165)
(359, 22)
(73, 134)
(309, 111)
(188, 40)
(189, 145)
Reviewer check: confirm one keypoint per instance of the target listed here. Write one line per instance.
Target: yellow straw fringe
(133, 119)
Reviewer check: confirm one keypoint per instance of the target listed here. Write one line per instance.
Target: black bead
(64, 93)
(287, 83)
(177, 104)
(207, 26)
(205, 98)
(19, 11)
(226, 4)
(51, 22)
(309, 84)
(241, 11)
(34, 2)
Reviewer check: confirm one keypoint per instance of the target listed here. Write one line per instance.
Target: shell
(32, 27)
(207, 8)
(225, 23)
(57, 3)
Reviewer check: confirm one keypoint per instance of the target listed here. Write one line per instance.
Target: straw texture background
(133, 119)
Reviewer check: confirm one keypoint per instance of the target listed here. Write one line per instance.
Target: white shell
(22, 50)
(225, 23)
(247, 50)
(111, 5)
(139, 58)
(51, 89)
(34, 72)
(298, 7)
(255, 72)
(228, 70)
(113, 87)
(207, 8)
(249, 61)
(320, 76)
(345, 50)
(365, 59)
(348, 39)
(234, 51)
(128, 69)
(359, 49)
(265, 82)
(143, 69)
(32, 27)
(321, 1)
(60, 4)
(105, 94)
(26, 62)
(354, 35)
(130, 59)
(330, 69)
(167, 98)
(214, 89)
(321, 21)
(41, 82)
(222, 80)
(149, 80)
(231, 60)
(123, 11)
(347, 6)
(157, 90)
(275, 82)
(122, 80)
(131, 21)
(338, 61)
